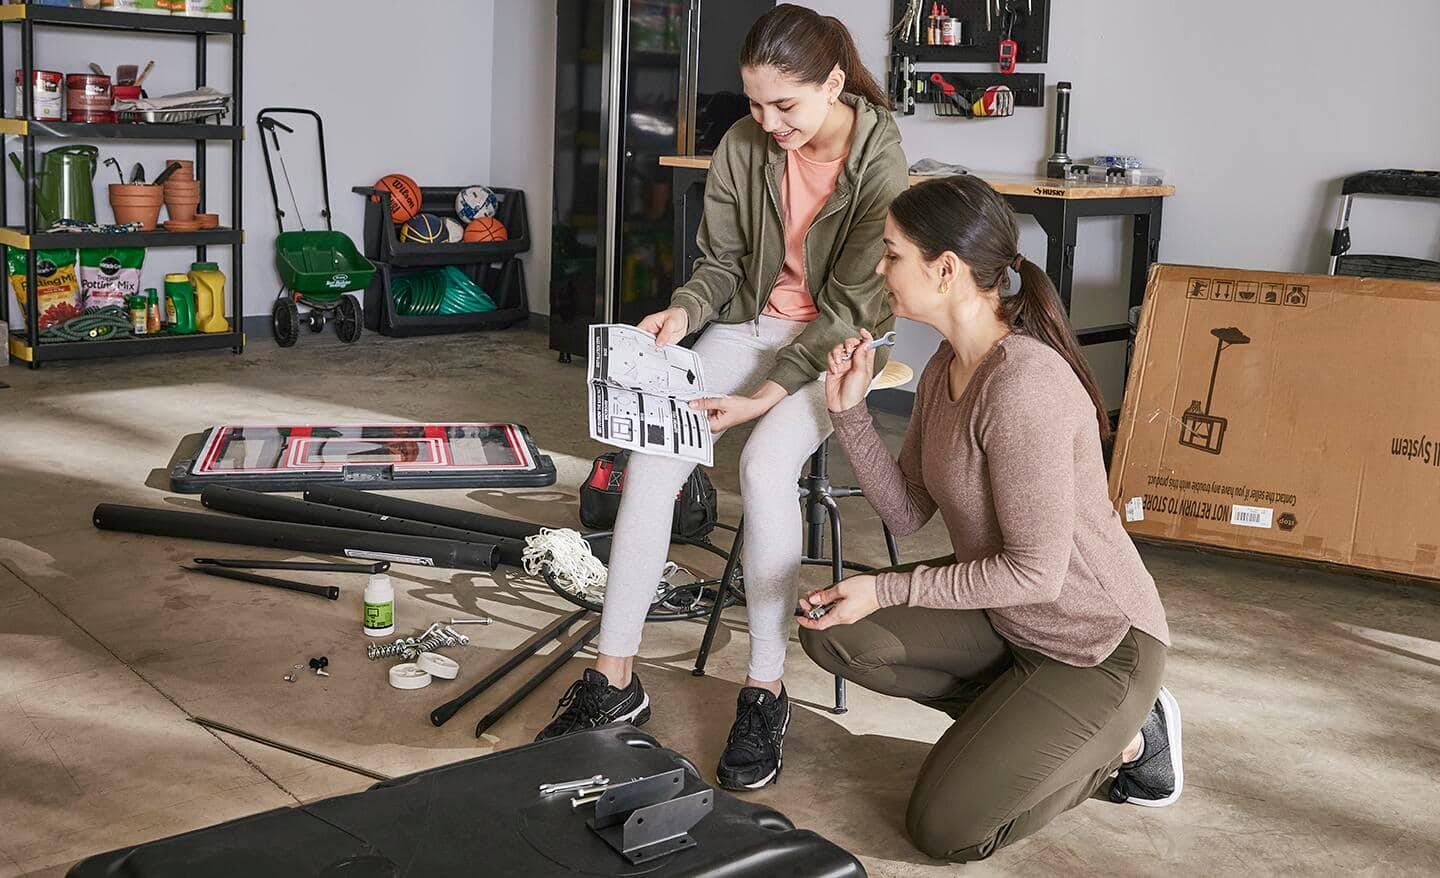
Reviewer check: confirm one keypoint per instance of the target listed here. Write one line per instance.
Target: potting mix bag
(59, 286)
(108, 275)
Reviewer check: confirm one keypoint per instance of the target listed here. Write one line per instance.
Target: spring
(408, 647)
(399, 647)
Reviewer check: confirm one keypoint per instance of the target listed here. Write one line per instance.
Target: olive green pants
(1032, 736)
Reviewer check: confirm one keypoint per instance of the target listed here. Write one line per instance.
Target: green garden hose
(97, 325)
(438, 291)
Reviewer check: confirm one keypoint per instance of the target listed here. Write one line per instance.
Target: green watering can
(64, 185)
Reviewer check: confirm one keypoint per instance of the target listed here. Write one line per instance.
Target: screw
(319, 664)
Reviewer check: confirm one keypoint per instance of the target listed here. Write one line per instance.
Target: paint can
(89, 98)
(49, 94)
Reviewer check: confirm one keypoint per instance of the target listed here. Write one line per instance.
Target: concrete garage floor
(1310, 698)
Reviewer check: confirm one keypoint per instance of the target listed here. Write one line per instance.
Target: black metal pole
(201, 42)
(398, 549)
(442, 714)
(586, 635)
(478, 522)
(237, 182)
(325, 591)
(32, 299)
(269, 507)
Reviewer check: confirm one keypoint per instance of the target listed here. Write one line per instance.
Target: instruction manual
(639, 395)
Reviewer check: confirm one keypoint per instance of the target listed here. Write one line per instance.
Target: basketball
(426, 228)
(404, 196)
(486, 229)
(454, 232)
(474, 202)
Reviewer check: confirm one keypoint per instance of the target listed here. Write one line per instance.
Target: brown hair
(806, 45)
(965, 216)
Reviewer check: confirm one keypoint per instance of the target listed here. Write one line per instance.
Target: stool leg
(816, 483)
(890, 547)
(724, 593)
(837, 573)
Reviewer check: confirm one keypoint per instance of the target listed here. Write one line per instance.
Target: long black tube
(440, 715)
(383, 504)
(396, 548)
(561, 657)
(324, 591)
(270, 507)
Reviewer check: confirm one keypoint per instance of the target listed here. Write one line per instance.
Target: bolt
(482, 621)
(319, 664)
(576, 802)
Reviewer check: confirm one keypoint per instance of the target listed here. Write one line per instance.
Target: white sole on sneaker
(644, 708)
(1171, 709)
(779, 762)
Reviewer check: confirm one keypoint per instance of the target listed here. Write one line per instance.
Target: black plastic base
(485, 816)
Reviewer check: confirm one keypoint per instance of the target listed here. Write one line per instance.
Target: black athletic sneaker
(1156, 776)
(752, 754)
(591, 702)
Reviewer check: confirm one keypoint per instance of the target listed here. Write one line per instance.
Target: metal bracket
(647, 818)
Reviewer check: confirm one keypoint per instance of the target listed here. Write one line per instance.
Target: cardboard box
(1285, 414)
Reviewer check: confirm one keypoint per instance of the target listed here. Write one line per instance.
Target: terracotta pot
(208, 220)
(182, 187)
(182, 209)
(186, 172)
(136, 202)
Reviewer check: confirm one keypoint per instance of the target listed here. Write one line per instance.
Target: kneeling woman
(1043, 635)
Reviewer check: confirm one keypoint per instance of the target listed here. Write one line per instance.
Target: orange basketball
(486, 229)
(404, 196)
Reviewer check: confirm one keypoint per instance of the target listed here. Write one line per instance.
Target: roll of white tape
(438, 665)
(408, 675)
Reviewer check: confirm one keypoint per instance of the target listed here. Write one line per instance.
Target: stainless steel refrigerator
(634, 80)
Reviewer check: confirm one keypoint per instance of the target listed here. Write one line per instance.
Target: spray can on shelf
(379, 606)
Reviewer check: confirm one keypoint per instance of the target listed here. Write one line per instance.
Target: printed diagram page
(626, 357)
(639, 396)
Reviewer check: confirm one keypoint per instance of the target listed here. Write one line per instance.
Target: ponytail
(963, 215)
(1036, 310)
(858, 79)
(806, 45)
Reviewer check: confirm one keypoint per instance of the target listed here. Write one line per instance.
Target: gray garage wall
(401, 86)
(1254, 109)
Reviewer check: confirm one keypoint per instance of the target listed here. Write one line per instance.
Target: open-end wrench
(572, 785)
(886, 339)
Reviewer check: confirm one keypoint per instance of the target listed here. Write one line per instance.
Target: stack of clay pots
(136, 203)
(182, 197)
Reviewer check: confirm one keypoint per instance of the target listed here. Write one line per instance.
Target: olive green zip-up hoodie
(742, 240)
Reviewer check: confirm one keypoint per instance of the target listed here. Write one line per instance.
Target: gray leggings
(736, 360)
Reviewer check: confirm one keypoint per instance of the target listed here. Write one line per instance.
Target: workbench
(1058, 205)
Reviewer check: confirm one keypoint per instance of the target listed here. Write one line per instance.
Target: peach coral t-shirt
(807, 186)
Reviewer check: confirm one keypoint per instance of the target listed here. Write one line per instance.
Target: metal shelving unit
(24, 343)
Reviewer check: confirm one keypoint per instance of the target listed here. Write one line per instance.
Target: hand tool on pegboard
(1009, 49)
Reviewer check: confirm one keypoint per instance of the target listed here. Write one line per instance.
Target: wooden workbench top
(1005, 184)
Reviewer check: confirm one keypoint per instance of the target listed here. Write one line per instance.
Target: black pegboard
(1029, 88)
(1032, 32)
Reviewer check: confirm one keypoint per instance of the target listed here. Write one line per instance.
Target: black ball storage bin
(495, 266)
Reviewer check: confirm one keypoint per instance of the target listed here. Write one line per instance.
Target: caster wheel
(348, 320)
(285, 322)
(315, 320)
